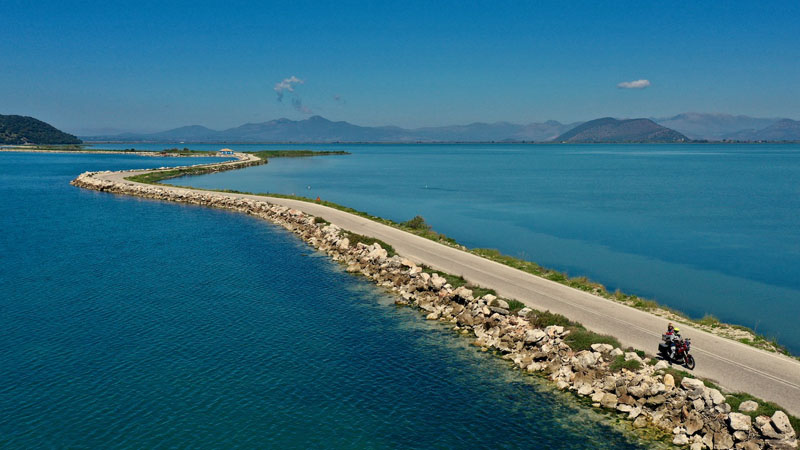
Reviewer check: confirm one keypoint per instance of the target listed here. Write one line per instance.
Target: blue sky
(147, 65)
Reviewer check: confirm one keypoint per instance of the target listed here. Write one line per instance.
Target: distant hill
(609, 129)
(320, 129)
(713, 126)
(782, 130)
(17, 130)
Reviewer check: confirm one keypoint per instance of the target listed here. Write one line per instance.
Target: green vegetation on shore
(16, 130)
(418, 226)
(265, 154)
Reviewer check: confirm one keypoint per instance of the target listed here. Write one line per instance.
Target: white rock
(680, 439)
(692, 383)
(632, 355)
(739, 422)
(748, 406)
(602, 348)
(716, 397)
(781, 423)
(661, 365)
(535, 335)
(616, 352)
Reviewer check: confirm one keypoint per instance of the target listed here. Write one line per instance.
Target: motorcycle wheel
(690, 362)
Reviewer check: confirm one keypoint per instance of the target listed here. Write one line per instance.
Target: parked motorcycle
(682, 347)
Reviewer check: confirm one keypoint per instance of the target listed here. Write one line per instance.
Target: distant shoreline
(694, 142)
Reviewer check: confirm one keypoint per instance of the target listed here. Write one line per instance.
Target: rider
(674, 335)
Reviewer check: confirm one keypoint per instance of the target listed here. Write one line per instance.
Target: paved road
(731, 364)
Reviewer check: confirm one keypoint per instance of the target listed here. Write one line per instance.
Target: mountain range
(319, 129)
(687, 126)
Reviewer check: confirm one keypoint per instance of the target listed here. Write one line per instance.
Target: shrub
(319, 220)
(417, 223)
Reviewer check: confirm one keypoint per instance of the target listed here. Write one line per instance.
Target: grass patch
(582, 339)
(356, 239)
(319, 220)
(514, 306)
(542, 319)
(619, 363)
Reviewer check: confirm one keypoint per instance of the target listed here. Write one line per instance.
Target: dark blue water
(129, 323)
(706, 229)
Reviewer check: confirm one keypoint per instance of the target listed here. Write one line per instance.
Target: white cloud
(636, 84)
(286, 85)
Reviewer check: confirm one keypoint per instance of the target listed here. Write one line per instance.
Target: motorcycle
(682, 347)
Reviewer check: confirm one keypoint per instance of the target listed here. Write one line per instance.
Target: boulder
(640, 422)
(692, 383)
(694, 423)
(748, 406)
(723, 440)
(680, 439)
(524, 312)
(609, 401)
(739, 422)
(781, 423)
(616, 352)
(739, 436)
(554, 330)
(602, 348)
(716, 397)
(669, 381)
(656, 400)
(661, 365)
(585, 389)
(534, 336)
(586, 359)
(437, 282)
(499, 310)
(632, 355)
(500, 303)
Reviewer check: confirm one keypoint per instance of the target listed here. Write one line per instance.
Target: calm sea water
(706, 229)
(130, 323)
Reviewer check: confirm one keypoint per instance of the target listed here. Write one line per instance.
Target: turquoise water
(130, 323)
(706, 229)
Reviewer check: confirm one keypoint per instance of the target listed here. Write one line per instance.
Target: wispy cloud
(298, 105)
(287, 84)
(636, 84)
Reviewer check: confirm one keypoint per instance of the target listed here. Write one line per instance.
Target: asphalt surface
(732, 365)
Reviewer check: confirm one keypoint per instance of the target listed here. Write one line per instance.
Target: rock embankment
(697, 415)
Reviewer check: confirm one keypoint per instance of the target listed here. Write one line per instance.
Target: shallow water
(130, 323)
(706, 229)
